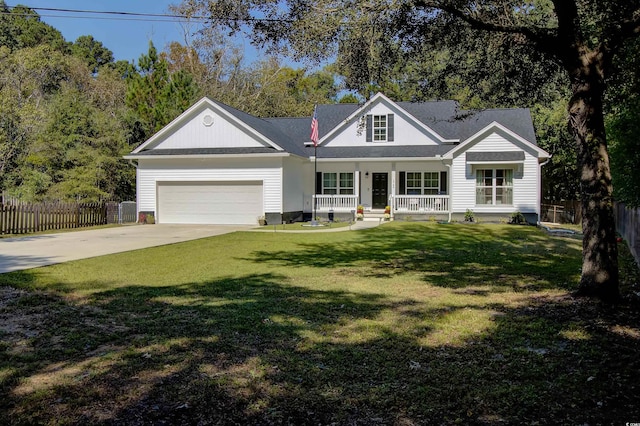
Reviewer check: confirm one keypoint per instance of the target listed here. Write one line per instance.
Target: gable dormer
(381, 122)
(379, 127)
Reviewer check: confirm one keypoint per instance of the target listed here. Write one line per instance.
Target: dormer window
(380, 128)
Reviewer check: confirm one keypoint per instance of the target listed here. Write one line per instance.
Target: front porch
(401, 204)
(408, 188)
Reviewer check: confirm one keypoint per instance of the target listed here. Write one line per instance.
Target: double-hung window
(380, 128)
(422, 183)
(338, 183)
(494, 186)
(431, 183)
(414, 183)
(346, 183)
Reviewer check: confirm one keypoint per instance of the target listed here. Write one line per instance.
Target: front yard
(408, 323)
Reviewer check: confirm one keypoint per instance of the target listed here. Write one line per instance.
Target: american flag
(314, 128)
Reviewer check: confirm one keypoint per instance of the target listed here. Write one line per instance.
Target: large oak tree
(580, 36)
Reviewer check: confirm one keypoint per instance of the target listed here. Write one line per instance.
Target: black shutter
(318, 183)
(443, 182)
(390, 128)
(369, 128)
(403, 184)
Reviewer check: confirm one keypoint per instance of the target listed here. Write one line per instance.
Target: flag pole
(315, 186)
(314, 139)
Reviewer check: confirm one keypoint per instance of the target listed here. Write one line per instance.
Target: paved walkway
(48, 249)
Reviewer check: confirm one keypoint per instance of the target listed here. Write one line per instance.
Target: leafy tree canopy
(21, 27)
(92, 52)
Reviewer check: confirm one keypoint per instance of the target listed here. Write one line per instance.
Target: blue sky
(127, 39)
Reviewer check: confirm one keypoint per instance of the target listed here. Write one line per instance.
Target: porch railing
(336, 203)
(420, 203)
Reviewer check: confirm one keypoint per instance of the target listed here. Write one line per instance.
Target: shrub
(469, 216)
(518, 218)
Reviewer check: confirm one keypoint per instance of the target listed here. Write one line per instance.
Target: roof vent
(207, 120)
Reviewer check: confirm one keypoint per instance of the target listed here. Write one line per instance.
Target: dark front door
(379, 189)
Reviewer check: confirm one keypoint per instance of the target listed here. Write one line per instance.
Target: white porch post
(393, 189)
(356, 183)
(450, 189)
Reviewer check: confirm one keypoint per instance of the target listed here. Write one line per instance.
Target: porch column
(393, 188)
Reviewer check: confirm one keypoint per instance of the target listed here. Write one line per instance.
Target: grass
(408, 323)
(305, 226)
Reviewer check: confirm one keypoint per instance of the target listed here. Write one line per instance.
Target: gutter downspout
(450, 178)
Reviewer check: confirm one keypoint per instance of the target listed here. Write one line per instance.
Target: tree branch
(629, 28)
(543, 38)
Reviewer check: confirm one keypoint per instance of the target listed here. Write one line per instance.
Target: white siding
(269, 171)
(293, 185)
(525, 180)
(406, 130)
(194, 134)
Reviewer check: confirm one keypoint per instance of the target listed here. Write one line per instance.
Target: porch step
(372, 219)
(368, 216)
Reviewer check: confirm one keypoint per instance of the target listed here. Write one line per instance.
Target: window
(431, 183)
(494, 186)
(414, 183)
(346, 183)
(329, 183)
(419, 183)
(380, 128)
(337, 183)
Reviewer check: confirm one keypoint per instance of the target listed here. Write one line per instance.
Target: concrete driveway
(48, 249)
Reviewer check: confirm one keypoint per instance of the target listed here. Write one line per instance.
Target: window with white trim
(329, 183)
(338, 183)
(494, 186)
(419, 183)
(414, 183)
(431, 183)
(346, 183)
(379, 128)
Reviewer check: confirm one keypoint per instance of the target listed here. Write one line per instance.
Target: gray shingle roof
(297, 130)
(444, 117)
(495, 156)
(274, 133)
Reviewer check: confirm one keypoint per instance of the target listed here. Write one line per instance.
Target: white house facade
(215, 164)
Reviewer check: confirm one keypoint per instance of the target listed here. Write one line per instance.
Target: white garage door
(223, 203)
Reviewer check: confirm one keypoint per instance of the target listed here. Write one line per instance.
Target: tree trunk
(599, 276)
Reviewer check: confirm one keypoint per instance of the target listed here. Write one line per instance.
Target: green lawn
(407, 323)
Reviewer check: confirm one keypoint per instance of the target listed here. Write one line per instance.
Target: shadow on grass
(454, 256)
(256, 350)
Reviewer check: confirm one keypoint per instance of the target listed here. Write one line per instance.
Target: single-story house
(217, 165)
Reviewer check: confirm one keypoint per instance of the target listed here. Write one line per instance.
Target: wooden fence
(24, 218)
(628, 226)
(561, 212)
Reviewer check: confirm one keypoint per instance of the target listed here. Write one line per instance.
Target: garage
(223, 203)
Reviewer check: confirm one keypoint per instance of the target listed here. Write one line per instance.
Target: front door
(379, 191)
